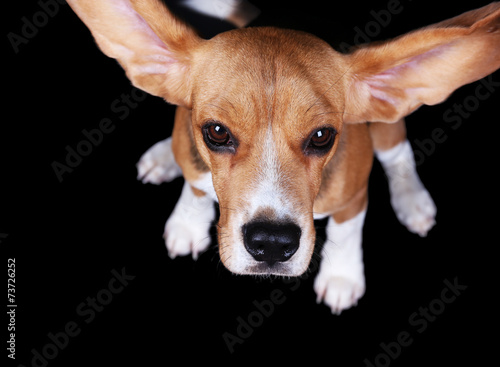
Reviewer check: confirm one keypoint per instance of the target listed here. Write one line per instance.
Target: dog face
(266, 120)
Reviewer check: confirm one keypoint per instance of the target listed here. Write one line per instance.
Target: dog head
(266, 128)
(268, 106)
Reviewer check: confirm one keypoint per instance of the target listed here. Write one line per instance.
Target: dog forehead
(264, 52)
(268, 71)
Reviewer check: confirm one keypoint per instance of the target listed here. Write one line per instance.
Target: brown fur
(386, 136)
(184, 147)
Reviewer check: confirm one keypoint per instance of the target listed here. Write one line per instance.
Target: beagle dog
(280, 129)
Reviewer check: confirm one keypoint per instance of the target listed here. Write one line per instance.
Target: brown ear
(390, 80)
(151, 45)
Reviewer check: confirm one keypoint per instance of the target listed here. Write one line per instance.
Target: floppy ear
(153, 47)
(389, 80)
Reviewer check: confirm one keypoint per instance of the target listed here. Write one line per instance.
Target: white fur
(268, 189)
(238, 12)
(410, 200)
(319, 216)
(158, 164)
(187, 229)
(216, 8)
(341, 280)
(205, 184)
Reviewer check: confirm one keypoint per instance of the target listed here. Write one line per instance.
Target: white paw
(338, 293)
(415, 209)
(188, 229)
(158, 165)
(340, 282)
(183, 238)
(410, 200)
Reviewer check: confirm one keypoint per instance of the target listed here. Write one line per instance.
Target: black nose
(271, 242)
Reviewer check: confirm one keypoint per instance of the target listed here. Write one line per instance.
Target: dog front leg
(187, 229)
(410, 200)
(340, 282)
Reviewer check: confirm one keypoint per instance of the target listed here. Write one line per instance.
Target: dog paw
(415, 209)
(158, 165)
(187, 231)
(337, 292)
(183, 238)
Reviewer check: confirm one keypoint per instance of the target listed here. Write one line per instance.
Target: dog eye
(320, 138)
(320, 141)
(218, 138)
(218, 135)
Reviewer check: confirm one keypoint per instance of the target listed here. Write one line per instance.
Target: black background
(68, 236)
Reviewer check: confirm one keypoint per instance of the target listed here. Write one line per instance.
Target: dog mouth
(262, 268)
(276, 268)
